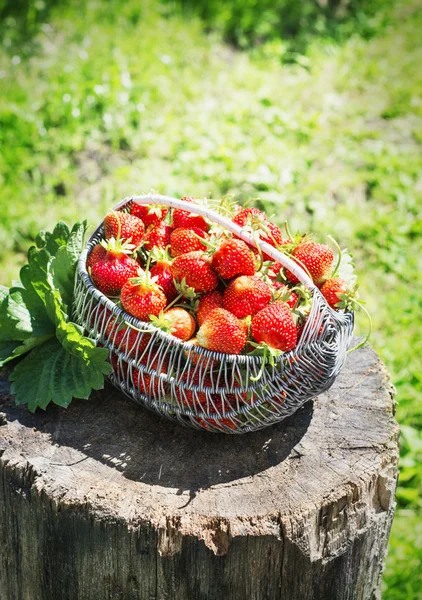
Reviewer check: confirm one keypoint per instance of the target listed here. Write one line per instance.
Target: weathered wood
(106, 500)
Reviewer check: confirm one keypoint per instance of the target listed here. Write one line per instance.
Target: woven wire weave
(205, 389)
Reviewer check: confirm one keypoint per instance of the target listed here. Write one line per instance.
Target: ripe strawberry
(123, 226)
(256, 220)
(177, 321)
(184, 240)
(246, 216)
(97, 253)
(246, 296)
(161, 271)
(196, 358)
(142, 297)
(222, 332)
(130, 341)
(192, 398)
(186, 219)
(151, 214)
(233, 257)
(149, 383)
(338, 293)
(111, 272)
(195, 268)
(157, 236)
(284, 294)
(317, 258)
(275, 326)
(207, 303)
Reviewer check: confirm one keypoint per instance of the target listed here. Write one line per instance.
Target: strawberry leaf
(64, 263)
(53, 241)
(11, 350)
(346, 269)
(51, 374)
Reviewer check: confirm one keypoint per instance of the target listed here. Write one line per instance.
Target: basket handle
(227, 224)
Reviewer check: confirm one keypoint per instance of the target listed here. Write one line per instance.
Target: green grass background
(316, 113)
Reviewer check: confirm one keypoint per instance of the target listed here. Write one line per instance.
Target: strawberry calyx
(116, 246)
(268, 355)
(160, 255)
(144, 279)
(162, 322)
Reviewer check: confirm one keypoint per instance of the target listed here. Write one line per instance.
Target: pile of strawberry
(203, 285)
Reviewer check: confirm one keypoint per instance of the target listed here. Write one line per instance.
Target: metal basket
(205, 389)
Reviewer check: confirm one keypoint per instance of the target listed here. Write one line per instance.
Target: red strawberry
(123, 226)
(149, 383)
(157, 236)
(97, 253)
(151, 214)
(207, 303)
(177, 321)
(186, 219)
(317, 258)
(196, 358)
(233, 257)
(130, 341)
(192, 398)
(284, 294)
(246, 296)
(184, 240)
(111, 272)
(256, 220)
(248, 215)
(142, 297)
(222, 332)
(338, 293)
(161, 271)
(195, 268)
(275, 326)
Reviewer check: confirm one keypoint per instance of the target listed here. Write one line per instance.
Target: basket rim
(343, 318)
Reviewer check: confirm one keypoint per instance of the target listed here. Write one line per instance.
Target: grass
(106, 102)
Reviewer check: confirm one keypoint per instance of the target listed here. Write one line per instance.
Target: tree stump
(109, 501)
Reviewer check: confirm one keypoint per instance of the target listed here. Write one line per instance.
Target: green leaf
(11, 350)
(64, 263)
(346, 269)
(51, 374)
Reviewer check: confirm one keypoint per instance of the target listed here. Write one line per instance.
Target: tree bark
(106, 500)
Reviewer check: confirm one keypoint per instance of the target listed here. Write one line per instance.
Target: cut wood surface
(108, 500)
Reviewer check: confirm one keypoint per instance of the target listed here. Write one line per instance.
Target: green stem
(333, 274)
(261, 370)
(366, 338)
(173, 302)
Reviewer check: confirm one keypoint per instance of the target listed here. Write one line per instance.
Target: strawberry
(317, 258)
(338, 293)
(184, 240)
(207, 303)
(186, 219)
(274, 325)
(192, 398)
(284, 294)
(157, 236)
(233, 257)
(111, 272)
(195, 268)
(255, 220)
(246, 216)
(195, 358)
(222, 332)
(149, 383)
(123, 226)
(177, 321)
(151, 214)
(164, 278)
(142, 297)
(97, 253)
(130, 341)
(246, 296)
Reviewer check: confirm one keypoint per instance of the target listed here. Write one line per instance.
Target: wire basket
(205, 389)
